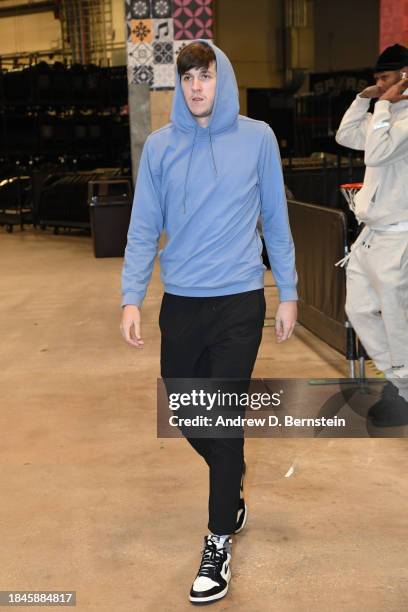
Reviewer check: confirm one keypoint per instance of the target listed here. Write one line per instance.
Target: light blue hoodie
(206, 187)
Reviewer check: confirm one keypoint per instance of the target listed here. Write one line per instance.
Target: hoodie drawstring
(212, 154)
(188, 172)
(190, 159)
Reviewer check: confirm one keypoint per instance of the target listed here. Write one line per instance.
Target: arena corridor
(93, 502)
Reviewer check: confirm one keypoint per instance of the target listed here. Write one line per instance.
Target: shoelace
(212, 557)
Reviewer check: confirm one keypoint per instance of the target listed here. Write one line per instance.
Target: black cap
(392, 58)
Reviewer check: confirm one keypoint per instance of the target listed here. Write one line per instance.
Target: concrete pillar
(139, 122)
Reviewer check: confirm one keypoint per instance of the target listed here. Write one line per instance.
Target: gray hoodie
(383, 136)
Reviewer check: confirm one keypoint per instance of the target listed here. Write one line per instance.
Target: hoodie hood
(226, 101)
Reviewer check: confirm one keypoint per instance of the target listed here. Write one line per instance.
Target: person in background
(377, 270)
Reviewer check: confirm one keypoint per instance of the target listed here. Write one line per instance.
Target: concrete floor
(92, 501)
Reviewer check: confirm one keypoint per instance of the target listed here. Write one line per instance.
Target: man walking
(204, 179)
(377, 271)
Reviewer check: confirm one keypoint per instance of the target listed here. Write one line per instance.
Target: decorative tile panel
(156, 32)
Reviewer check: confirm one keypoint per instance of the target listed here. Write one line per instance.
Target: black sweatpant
(214, 337)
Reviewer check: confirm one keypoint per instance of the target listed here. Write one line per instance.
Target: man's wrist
(288, 294)
(132, 298)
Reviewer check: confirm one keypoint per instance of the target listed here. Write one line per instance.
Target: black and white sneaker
(242, 514)
(214, 574)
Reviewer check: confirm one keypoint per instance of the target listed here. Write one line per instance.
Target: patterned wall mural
(394, 23)
(156, 31)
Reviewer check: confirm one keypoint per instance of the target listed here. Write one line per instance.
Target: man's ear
(404, 69)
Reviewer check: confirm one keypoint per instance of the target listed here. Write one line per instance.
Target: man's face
(198, 85)
(385, 80)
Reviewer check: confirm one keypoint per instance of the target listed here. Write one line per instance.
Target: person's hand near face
(389, 86)
(396, 92)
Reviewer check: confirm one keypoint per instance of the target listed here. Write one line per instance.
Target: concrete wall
(42, 32)
(118, 55)
(118, 19)
(346, 33)
(28, 33)
(252, 35)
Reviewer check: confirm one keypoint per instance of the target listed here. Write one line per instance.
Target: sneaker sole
(244, 521)
(212, 598)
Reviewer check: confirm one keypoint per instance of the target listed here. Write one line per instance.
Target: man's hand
(285, 320)
(130, 325)
(396, 92)
(370, 92)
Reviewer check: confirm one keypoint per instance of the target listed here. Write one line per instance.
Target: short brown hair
(195, 55)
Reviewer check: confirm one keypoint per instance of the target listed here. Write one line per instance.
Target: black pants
(214, 337)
